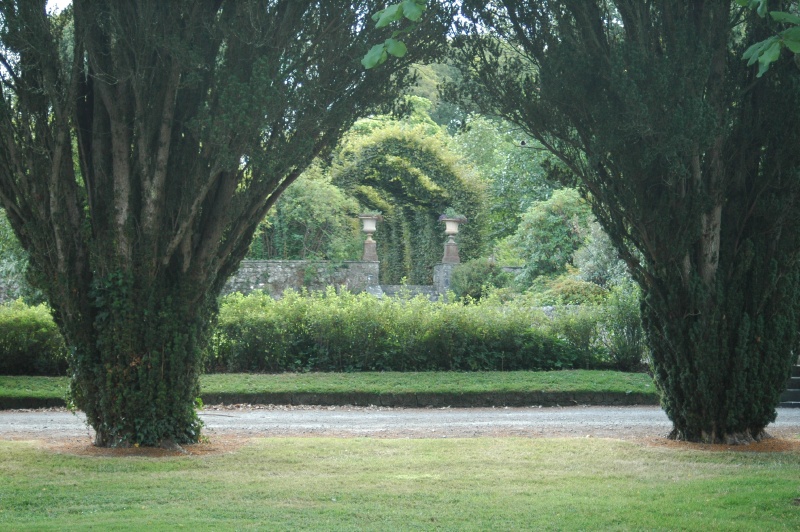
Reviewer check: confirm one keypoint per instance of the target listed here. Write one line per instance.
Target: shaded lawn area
(385, 382)
(374, 484)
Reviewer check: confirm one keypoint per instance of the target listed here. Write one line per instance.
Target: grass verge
(373, 484)
(409, 389)
(431, 382)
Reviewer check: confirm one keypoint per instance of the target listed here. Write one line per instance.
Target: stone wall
(441, 277)
(275, 276)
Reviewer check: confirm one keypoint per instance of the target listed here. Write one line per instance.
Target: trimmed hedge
(346, 332)
(30, 342)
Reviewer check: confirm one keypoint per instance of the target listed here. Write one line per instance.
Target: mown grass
(34, 387)
(373, 484)
(381, 383)
(431, 382)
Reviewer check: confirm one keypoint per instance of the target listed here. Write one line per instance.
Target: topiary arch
(409, 175)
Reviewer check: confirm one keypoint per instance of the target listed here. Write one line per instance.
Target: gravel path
(250, 420)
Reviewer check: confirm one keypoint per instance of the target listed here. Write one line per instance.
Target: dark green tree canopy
(693, 169)
(141, 142)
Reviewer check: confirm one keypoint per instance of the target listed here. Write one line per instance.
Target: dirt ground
(229, 428)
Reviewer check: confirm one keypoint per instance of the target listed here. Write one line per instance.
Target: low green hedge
(346, 332)
(30, 342)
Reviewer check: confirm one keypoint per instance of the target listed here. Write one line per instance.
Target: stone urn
(451, 226)
(369, 226)
(451, 223)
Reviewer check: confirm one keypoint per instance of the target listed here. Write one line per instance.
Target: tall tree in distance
(141, 142)
(691, 165)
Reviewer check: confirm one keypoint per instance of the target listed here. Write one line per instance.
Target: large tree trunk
(721, 350)
(692, 167)
(141, 142)
(137, 381)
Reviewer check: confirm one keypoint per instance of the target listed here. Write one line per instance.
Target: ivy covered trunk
(141, 142)
(691, 164)
(137, 381)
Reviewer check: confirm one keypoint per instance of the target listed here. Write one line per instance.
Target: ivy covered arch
(411, 177)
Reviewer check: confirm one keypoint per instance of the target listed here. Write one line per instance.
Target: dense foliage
(345, 332)
(550, 233)
(478, 277)
(597, 259)
(692, 165)
(13, 260)
(511, 164)
(141, 142)
(313, 219)
(30, 343)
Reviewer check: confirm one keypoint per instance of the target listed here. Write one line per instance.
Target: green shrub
(30, 342)
(345, 332)
(476, 277)
(624, 338)
(569, 290)
(581, 328)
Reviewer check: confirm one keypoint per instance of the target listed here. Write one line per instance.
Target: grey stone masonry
(275, 276)
(441, 277)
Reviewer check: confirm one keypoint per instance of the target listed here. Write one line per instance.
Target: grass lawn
(390, 382)
(375, 484)
(431, 382)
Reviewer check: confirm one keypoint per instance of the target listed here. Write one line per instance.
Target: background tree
(313, 219)
(692, 165)
(512, 166)
(442, 111)
(14, 265)
(550, 233)
(597, 259)
(141, 143)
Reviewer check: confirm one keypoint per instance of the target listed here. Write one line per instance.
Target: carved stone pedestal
(450, 251)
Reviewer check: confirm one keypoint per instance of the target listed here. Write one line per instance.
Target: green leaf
(793, 45)
(395, 47)
(412, 9)
(783, 16)
(390, 14)
(792, 34)
(375, 56)
(759, 5)
(755, 51)
(769, 56)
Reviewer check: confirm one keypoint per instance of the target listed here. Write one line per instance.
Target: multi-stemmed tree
(692, 166)
(141, 142)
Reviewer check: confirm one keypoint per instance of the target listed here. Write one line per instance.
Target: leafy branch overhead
(409, 9)
(768, 51)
